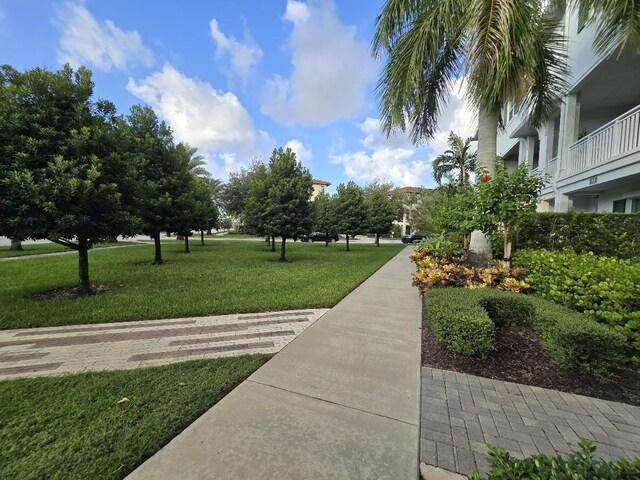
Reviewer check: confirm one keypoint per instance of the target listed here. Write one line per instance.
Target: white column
(569, 124)
(546, 134)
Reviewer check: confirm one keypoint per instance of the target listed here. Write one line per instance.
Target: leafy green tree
(255, 210)
(380, 213)
(288, 210)
(62, 176)
(506, 201)
(456, 159)
(207, 214)
(324, 215)
(351, 217)
(236, 191)
(165, 175)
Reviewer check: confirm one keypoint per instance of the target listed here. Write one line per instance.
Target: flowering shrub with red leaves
(438, 272)
(485, 178)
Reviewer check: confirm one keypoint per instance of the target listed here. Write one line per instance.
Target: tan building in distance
(319, 186)
(409, 197)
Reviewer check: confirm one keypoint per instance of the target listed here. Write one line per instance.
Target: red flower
(486, 178)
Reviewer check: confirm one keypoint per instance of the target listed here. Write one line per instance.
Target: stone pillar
(569, 124)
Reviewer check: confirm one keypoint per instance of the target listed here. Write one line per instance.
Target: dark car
(413, 237)
(319, 237)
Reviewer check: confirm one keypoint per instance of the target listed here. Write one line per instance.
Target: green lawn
(40, 248)
(220, 277)
(73, 428)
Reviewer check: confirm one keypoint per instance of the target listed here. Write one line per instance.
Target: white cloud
(458, 116)
(392, 159)
(242, 56)
(213, 121)
(303, 154)
(102, 45)
(331, 69)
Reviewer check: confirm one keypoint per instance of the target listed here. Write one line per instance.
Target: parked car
(319, 237)
(412, 237)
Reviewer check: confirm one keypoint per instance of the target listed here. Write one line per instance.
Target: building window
(635, 205)
(619, 206)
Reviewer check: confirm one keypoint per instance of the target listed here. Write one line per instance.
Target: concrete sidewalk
(341, 401)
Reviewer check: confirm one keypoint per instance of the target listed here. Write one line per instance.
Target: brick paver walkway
(127, 345)
(460, 413)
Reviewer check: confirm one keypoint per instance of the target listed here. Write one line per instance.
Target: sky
(237, 79)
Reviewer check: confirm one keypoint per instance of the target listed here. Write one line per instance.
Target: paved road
(126, 345)
(341, 401)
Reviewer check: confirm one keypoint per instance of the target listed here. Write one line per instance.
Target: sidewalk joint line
(334, 403)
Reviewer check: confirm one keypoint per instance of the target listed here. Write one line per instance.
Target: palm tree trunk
(480, 244)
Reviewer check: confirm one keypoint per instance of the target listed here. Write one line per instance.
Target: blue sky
(237, 78)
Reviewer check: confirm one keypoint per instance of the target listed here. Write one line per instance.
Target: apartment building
(591, 147)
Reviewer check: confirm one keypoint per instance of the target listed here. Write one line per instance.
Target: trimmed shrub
(604, 288)
(459, 322)
(608, 234)
(465, 321)
(576, 341)
(579, 465)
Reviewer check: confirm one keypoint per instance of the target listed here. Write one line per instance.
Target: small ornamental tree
(255, 209)
(62, 177)
(288, 210)
(380, 213)
(165, 175)
(504, 202)
(323, 216)
(350, 210)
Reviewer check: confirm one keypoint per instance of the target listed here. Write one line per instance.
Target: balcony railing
(619, 136)
(551, 167)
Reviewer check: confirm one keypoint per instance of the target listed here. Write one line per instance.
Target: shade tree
(380, 213)
(351, 217)
(323, 216)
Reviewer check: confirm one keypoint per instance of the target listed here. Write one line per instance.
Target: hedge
(579, 465)
(604, 288)
(465, 321)
(608, 234)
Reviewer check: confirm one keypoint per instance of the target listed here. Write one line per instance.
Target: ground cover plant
(578, 465)
(219, 277)
(40, 248)
(79, 426)
(604, 288)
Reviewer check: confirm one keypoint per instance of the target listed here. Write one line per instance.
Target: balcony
(619, 137)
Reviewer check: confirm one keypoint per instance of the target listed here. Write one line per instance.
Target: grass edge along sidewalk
(215, 279)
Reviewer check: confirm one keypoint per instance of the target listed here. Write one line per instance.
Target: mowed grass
(217, 278)
(73, 428)
(40, 248)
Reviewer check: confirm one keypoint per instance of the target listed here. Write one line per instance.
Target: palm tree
(617, 23)
(505, 50)
(456, 159)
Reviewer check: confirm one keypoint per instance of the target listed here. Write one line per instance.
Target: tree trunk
(202, 237)
(347, 237)
(268, 240)
(84, 286)
(273, 243)
(16, 245)
(327, 240)
(480, 253)
(112, 240)
(158, 246)
(186, 244)
(506, 253)
(377, 239)
(179, 237)
(282, 249)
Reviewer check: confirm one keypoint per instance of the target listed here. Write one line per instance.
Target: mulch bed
(71, 293)
(520, 358)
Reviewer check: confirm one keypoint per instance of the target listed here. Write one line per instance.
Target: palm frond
(617, 24)
(423, 55)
